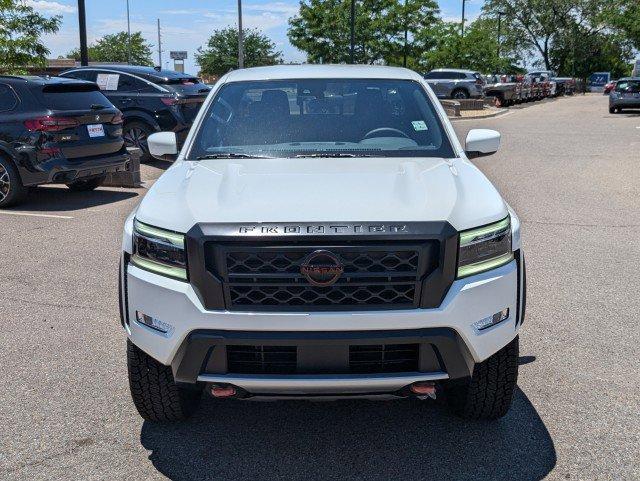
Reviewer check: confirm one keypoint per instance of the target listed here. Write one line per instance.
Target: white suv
(322, 234)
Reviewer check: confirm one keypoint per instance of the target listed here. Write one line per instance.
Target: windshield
(628, 86)
(321, 117)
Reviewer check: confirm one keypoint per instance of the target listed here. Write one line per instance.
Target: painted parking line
(31, 214)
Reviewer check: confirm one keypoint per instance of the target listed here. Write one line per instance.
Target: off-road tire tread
(154, 392)
(490, 390)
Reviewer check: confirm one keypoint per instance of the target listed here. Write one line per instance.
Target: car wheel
(12, 191)
(488, 394)
(154, 392)
(87, 185)
(135, 134)
(499, 101)
(460, 94)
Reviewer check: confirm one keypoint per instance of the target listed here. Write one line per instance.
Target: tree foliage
(20, 30)
(322, 30)
(221, 52)
(477, 50)
(114, 48)
(571, 36)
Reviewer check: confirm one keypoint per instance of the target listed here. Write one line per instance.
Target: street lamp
(128, 35)
(82, 27)
(500, 14)
(240, 39)
(353, 32)
(462, 22)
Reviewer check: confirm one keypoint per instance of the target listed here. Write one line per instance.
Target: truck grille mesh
(377, 276)
(363, 359)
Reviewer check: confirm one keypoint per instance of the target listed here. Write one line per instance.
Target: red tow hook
(223, 391)
(424, 389)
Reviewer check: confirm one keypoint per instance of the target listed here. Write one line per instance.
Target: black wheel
(613, 110)
(87, 185)
(489, 392)
(12, 191)
(135, 134)
(154, 392)
(459, 94)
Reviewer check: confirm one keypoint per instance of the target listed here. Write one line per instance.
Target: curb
(476, 117)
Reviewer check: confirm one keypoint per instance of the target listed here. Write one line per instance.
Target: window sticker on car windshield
(419, 125)
(108, 81)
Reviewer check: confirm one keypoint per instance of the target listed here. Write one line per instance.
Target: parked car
(609, 87)
(55, 130)
(150, 99)
(626, 95)
(504, 93)
(326, 236)
(456, 83)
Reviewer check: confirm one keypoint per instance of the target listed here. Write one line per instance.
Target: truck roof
(287, 72)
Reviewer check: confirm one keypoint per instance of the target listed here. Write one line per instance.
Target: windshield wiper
(231, 155)
(332, 154)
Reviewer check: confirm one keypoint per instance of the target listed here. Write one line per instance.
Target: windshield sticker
(419, 125)
(108, 81)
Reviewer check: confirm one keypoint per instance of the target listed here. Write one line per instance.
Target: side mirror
(163, 145)
(481, 142)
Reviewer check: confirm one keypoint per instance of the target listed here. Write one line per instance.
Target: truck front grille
(363, 359)
(373, 276)
(383, 358)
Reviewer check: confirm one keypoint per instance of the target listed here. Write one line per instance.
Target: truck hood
(321, 190)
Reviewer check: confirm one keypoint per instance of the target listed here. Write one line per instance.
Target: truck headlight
(485, 248)
(159, 251)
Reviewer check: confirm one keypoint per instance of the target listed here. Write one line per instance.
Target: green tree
(571, 36)
(20, 30)
(115, 48)
(624, 15)
(322, 30)
(477, 50)
(221, 52)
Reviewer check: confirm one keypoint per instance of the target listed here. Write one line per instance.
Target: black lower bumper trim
(205, 351)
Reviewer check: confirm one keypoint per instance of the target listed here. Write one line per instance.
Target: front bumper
(449, 343)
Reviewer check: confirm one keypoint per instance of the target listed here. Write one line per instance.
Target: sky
(187, 24)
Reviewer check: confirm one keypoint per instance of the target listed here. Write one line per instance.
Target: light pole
(240, 35)
(462, 23)
(406, 36)
(353, 32)
(82, 24)
(128, 35)
(500, 14)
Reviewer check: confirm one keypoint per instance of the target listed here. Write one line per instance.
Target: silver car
(626, 95)
(449, 83)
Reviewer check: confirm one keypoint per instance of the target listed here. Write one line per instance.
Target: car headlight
(159, 251)
(485, 248)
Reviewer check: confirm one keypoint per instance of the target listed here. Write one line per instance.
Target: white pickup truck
(322, 234)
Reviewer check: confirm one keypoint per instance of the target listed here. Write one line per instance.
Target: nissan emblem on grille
(322, 268)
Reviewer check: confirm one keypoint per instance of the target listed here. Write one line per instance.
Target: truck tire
(86, 185)
(488, 394)
(154, 392)
(459, 94)
(12, 191)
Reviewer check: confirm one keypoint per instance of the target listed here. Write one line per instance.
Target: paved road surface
(571, 171)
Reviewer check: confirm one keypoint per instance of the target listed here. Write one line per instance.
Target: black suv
(150, 99)
(55, 130)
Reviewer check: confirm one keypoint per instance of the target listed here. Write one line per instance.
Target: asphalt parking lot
(569, 169)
